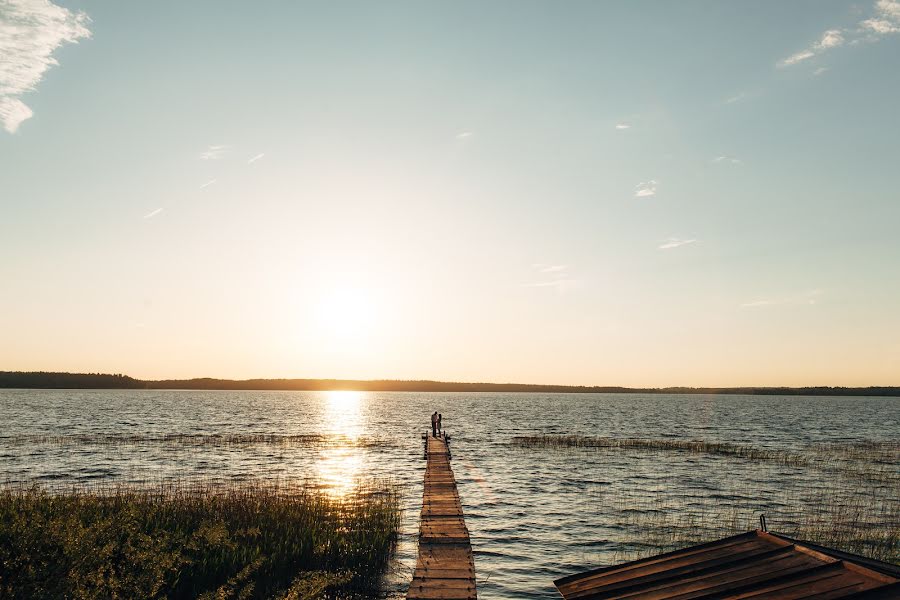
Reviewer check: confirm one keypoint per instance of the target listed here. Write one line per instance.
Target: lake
(534, 514)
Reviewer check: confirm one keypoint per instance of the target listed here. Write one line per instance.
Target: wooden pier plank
(445, 569)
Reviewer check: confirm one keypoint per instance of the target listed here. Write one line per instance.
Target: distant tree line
(46, 380)
(43, 379)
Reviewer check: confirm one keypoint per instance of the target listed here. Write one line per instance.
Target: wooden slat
(445, 569)
(750, 566)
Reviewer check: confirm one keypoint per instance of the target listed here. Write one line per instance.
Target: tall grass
(197, 540)
(856, 509)
(690, 446)
(860, 524)
(201, 440)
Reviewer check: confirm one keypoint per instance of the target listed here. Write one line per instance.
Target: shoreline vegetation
(52, 380)
(204, 540)
(858, 512)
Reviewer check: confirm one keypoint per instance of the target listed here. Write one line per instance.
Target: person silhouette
(439, 423)
(434, 417)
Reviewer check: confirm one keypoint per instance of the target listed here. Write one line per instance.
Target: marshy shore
(203, 540)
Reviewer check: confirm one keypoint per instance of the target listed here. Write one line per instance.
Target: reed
(857, 509)
(878, 451)
(861, 524)
(689, 446)
(201, 440)
(195, 540)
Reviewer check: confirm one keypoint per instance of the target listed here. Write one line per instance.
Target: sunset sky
(611, 193)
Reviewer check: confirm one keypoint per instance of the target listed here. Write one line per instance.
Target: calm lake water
(534, 514)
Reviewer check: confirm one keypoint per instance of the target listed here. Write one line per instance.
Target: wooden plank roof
(753, 565)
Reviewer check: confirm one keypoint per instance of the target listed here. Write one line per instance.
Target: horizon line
(59, 379)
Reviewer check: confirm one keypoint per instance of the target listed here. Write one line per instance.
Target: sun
(345, 314)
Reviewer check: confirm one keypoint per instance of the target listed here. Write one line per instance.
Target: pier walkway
(445, 569)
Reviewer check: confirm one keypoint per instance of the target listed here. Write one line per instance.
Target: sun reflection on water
(340, 466)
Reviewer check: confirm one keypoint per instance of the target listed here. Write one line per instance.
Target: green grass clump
(197, 540)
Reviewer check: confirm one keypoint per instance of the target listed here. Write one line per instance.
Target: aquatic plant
(195, 540)
(197, 439)
(691, 446)
(856, 510)
(861, 524)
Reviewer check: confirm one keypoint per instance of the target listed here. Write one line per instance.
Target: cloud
(793, 59)
(208, 183)
(673, 242)
(553, 276)
(879, 26)
(542, 268)
(758, 303)
(621, 126)
(819, 71)
(214, 152)
(806, 298)
(736, 98)
(255, 158)
(885, 21)
(728, 160)
(830, 39)
(889, 9)
(464, 134)
(557, 283)
(152, 213)
(646, 189)
(30, 31)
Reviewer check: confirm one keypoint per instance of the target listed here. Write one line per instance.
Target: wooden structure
(445, 569)
(753, 565)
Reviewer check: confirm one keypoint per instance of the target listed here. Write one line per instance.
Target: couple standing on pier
(435, 424)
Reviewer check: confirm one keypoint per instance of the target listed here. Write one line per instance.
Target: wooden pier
(445, 569)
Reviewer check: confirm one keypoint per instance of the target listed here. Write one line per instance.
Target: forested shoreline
(50, 380)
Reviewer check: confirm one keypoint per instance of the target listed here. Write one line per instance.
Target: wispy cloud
(621, 126)
(152, 213)
(736, 98)
(727, 160)
(464, 134)
(553, 276)
(30, 31)
(646, 189)
(819, 71)
(542, 268)
(885, 20)
(806, 298)
(830, 39)
(214, 152)
(208, 183)
(256, 158)
(674, 242)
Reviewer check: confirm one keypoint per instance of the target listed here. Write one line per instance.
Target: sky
(599, 193)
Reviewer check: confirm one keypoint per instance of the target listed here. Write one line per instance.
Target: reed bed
(879, 451)
(861, 524)
(690, 446)
(242, 440)
(195, 540)
(856, 508)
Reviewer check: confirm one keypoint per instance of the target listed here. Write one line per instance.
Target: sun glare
(346, 314)
(339, 466)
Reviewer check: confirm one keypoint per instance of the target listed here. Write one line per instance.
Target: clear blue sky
(635, 193)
